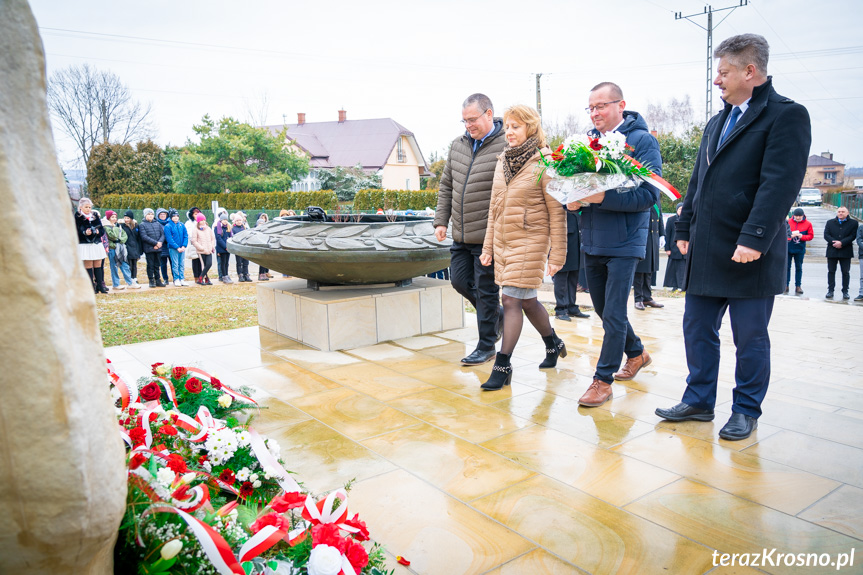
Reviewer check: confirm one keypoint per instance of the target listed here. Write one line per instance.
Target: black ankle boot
(501, 373)
(554, 347)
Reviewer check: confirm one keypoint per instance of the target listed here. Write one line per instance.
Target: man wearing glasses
(614, 226)
(463, 197)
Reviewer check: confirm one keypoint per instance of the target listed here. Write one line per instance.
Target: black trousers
(242, 266)
(565, 290)
(641, 287)
(206, 263)
(196, 267)
(133, 267)
(845, 267)
(475, 282)
(224, 260)
(152, 265)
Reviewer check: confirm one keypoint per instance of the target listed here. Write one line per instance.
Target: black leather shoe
(845, 295)
(479, 357)
(683, 412)
(829, 295)
(738, 427)
(654, 303)
(563, 317)
(579, 313)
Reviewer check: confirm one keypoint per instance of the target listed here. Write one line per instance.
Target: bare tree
(257, 109)
(674, 117)
(92, 106)
(556, 132)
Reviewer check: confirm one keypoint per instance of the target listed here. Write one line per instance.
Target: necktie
(735, 113)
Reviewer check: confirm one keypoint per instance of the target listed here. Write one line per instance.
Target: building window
(401, 151)
(830, 177)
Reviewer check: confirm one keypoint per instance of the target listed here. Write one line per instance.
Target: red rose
(273, 519)
(328, 534)
(151, 391)
(138, 435)
(176, 463)
(216, 383)
(168, 429)
(227, 476)
(594, 144)
(246, 489)
(179, 372)
(193, 385)
(356, 554)
(363, 533)
(137, 460)
(292, 500)
(153, 368)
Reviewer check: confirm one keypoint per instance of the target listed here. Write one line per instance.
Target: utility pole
(104, 121)
(708, 11)
(538, 96)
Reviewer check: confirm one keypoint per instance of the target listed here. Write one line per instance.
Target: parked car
(809, 197)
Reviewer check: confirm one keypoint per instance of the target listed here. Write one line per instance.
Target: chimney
(301, 118)
(828, 155)
(342, 116)
(654, 133)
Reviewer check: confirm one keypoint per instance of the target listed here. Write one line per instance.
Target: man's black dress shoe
(738, 427)
(639, 305)
(654, 303)
(563, 317)
(683, 412)
(579, 313)
(479, 357)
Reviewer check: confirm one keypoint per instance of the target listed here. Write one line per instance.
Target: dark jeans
(242, 266)
(475, 282)
(565, 290)
(224, 260)
(133, 267)
(702, 318)
(163, 263)
(206, 263)
(798, 268)
(845, 266)
(609, 280)
(152, 265)
(641, 287)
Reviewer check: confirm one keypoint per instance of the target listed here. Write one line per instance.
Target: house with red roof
(378, 145)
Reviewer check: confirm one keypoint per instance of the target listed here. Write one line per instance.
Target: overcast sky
(416, 60)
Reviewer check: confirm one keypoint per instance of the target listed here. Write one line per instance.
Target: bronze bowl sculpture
(370, 250)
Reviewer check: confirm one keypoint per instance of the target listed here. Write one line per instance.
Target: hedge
(247, 202)
(395, 199)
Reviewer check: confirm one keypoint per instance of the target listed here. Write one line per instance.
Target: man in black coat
(645, 271)
(840, 233)
(566, 279)
(747, 175)
(675, 271)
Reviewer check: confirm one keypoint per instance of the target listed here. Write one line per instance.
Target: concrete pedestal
(345, 318)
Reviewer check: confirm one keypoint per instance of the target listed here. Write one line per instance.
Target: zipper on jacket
(464, 188)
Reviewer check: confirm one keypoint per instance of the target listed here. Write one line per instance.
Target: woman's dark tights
(536, 314)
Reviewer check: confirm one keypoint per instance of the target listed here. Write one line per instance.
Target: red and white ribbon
(322, 510)
(128, 393)
(214, 545)
(657, 182)
(268, 460)
(225, 388)
(169, 390)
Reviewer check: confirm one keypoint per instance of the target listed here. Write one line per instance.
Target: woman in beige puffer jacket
(526, 228)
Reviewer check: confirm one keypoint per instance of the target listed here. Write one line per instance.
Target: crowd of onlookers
(165, 242)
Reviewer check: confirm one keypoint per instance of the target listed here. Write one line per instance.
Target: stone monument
(62, 472)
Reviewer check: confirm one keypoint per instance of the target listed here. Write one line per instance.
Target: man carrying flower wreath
(614, 226)
(748, 172)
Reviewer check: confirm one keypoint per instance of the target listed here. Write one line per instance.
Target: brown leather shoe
(654, 303)
(598, 393)
(632, 366)
(639, 305)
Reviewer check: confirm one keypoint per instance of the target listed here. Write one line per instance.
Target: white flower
(138, 406)
(225, 400)
(165, 476)
(576, 139)
(207, 467)
(269, 473)
(171, 548)
(325, 560)
(253, 477)
(274, 447)
(188, 478)
(256, 484)
(243, 474)
(615, 144)
(244, 438)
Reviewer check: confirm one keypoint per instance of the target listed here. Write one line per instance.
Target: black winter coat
(133, 241)
(740, 193)
(82, 224)
(671, 239)
(151, 233)
(573, 242)
(650, 263)
(845, 232)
